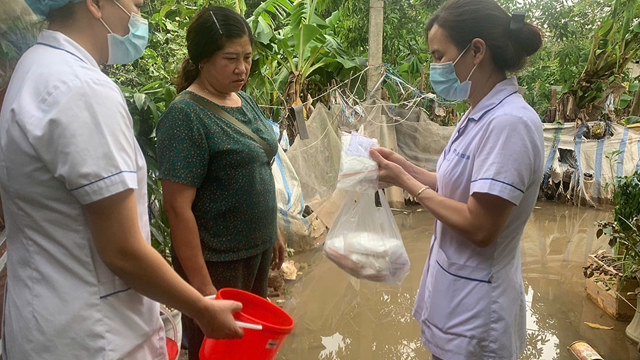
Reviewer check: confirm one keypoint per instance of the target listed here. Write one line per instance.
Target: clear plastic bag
(358, 172)
(365, 241)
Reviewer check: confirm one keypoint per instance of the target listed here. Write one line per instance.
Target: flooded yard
(339, 317)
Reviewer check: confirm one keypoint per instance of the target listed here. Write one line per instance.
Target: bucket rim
(283, 329)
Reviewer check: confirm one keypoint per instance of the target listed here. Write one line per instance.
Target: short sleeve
(86, 139)
(183, 154)
(253, 105)
(505, 160)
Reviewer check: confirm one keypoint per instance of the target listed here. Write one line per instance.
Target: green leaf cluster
(624, 230)
(616, 41)
(297, 51)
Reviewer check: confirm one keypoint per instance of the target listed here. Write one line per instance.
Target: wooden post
(376, 16)
(635, 107)
(553, 107)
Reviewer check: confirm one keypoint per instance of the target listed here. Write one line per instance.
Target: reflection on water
(332, 344)
(555, 245)
(339, 317)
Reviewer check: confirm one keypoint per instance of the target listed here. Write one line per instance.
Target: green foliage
(615, 42)
(296, 50)
(624, 230)
(404, 22)
(626, 198)
(629, 120)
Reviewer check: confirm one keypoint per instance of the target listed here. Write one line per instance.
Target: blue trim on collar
(493, 107)
(61, 49)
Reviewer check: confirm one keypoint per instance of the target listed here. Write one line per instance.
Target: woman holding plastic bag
(471, 302)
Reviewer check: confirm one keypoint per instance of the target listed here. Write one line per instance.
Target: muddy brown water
(341, 318)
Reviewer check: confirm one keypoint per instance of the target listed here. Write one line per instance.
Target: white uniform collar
(499, 92)
(62, 42)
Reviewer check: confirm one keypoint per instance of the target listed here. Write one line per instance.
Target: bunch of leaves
(624, 229)
(626, 198)
(624, 238)
(404, 25)
(615, 42)
(297, 52)
(630, 120)
(567, 27)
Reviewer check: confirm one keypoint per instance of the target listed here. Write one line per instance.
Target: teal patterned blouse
(235, 203)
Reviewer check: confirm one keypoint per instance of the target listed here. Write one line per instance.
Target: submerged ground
(342, 318)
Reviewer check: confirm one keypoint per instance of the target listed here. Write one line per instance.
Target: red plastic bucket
(172, 349)
(256, 344)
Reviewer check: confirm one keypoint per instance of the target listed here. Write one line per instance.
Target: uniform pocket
(460, 299)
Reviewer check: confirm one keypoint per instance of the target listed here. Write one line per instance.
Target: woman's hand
(278, 253)
(216, 319)
(391, 156)
(391, 166)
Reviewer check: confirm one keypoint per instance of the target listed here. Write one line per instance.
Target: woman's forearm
(185, 238)
(480, 220)
(425, 177)
(117, 237)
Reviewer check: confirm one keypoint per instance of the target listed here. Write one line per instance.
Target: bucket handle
(165, 311)
(241, 324)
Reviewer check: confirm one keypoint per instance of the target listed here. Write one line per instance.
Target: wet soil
(339, 317)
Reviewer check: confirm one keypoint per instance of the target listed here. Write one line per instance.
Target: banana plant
(293, 42)
(615, 42)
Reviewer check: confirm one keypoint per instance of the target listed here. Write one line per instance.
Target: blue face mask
(445, 82)
(123, 50)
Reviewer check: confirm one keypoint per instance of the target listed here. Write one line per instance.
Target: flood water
(339, 317)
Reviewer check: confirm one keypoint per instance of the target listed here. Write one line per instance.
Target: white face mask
(123, 50)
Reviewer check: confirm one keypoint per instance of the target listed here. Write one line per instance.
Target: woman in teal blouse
(218, 189)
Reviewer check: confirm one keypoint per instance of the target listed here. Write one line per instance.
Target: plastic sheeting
(299, 232)
(579, 169)
(317, 160)
(576, 171)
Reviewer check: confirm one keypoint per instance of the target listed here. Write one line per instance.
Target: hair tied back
(517, 23)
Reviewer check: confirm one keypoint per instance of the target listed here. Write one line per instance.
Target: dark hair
(465, 20)
(208, 33)
(63, 13)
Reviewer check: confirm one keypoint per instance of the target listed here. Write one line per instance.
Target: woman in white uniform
(73, 180)
(471, 301)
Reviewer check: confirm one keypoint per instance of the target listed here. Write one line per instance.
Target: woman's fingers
(383, 152)
(278, 254)
(218, 321)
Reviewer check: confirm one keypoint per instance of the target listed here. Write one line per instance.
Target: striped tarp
(593, 164)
